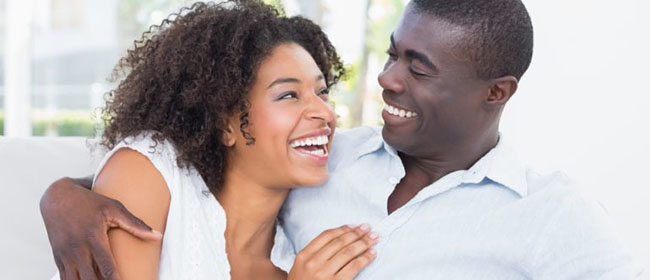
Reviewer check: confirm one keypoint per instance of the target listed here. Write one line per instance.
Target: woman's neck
(251, 212)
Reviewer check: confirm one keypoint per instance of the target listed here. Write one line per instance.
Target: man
(438, 182)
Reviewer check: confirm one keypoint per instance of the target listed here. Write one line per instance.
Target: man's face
(434, 99)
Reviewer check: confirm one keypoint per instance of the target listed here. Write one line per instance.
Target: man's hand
(77, 221)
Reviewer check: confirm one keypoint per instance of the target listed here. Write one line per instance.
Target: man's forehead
(427, 33)
(438, 39)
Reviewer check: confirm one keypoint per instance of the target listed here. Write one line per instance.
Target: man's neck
(251, 212)
(422, 171)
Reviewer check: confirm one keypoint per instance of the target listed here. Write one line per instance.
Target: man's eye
(288, 95)
(391, 55)
(416, 73)
(324, 91)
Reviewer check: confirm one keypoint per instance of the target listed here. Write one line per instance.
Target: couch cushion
(27, 167)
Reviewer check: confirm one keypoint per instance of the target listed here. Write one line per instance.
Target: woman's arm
(77, 221)
(132, 179)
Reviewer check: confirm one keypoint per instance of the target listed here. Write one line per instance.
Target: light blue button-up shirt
(497, 220)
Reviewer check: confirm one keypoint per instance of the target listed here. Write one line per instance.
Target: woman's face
(291, 121)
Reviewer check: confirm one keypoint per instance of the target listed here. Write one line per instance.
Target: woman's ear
(229, 137)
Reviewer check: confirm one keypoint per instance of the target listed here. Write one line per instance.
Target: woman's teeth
(319, 152)
(313, 141)
(399, 112)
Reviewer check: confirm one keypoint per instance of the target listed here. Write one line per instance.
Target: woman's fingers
(352, 251)
(353, 268)
(345, 250)
(322, 239)
(336, 244)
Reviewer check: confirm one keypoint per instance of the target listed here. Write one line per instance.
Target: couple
(225, 109)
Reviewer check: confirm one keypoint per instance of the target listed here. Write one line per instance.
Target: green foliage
(277, 4)
(2, 123)
(378, 39)
(136, 16)
(65, 123)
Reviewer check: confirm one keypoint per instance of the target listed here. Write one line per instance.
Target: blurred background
(583, 107)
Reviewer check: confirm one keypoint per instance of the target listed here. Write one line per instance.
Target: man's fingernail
(364, 227)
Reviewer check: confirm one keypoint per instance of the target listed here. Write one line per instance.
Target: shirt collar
(500, 164)
(373, 144)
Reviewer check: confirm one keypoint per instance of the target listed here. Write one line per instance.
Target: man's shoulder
(348, 140)
(349, 143)
(356, 135)
(553, 187)
(559, 195)
(547, 183)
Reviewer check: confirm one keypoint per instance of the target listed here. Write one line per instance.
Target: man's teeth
(313, 141)
(399, 112)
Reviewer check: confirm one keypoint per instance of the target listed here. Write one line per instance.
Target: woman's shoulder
(156, 151)
(150, 144)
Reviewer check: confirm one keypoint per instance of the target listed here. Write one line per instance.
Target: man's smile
(402, 113)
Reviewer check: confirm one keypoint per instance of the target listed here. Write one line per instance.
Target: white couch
(27, 167)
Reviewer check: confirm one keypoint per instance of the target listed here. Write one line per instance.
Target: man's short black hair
(499, 37)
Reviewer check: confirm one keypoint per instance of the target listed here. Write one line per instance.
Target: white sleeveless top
(194, 246)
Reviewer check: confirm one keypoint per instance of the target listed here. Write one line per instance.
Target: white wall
(584, 105)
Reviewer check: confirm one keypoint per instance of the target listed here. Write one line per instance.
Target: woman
(222, 110)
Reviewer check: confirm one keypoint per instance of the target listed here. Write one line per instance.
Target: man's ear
(501, 90)
(229, 137)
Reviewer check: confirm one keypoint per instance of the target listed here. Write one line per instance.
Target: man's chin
(399, 141)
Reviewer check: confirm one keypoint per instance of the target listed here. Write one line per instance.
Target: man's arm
(85, 182)
(77, 221)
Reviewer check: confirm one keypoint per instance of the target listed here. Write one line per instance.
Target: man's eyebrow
(284, 80)
(421, 57)
(412, 54)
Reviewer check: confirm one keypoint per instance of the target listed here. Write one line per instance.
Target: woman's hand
(339, 253)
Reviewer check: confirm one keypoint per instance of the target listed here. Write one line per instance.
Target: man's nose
(391, 78)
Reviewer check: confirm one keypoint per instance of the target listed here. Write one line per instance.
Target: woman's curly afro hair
(184, 77)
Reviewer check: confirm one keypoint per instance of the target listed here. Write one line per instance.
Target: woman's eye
(324, 91)
(288, 95)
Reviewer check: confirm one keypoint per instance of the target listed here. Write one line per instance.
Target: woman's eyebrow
(292, 80)
(284, 80)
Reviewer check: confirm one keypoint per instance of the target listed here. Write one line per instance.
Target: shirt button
(393, 180)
